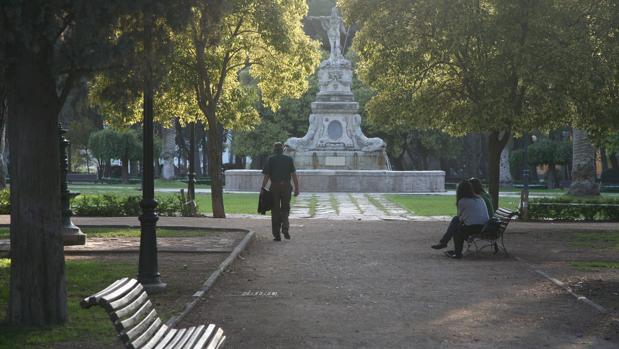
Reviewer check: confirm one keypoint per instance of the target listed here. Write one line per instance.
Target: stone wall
(347, 181)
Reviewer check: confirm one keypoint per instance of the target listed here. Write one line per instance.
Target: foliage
(118, 205)
(460, 67)
(492, 66)
(103, 143)
(129, 147)
(290, 120)
(110, 144)
(592, 81)
(570, 208)
(544, 152)
(5, 201)
(225, 37)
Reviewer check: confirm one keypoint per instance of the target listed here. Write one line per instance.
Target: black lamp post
(148, 269)
(71, 234)
(524, 196)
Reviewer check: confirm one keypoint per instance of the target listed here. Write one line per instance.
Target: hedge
(569, 208)
(112, 205)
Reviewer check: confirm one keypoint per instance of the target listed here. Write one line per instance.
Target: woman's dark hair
(278, 148)
(477, 187)
(464, 190)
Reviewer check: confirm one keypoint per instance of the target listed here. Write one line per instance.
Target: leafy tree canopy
(463, 67)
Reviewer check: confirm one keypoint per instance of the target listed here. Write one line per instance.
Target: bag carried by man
(265, 201)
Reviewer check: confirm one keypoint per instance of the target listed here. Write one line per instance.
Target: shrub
(107, 205)
(112, 205)
(5, 201)
(569, 208)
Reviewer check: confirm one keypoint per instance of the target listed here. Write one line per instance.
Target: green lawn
(245, 203)
(593, 265)
(84, 277)
(438, 205)
(596, 240)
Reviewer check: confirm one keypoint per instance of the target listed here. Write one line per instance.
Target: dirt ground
(379, 285)
(359, 284)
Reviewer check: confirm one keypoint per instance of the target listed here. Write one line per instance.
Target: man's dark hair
(278, 148)
(477, 187)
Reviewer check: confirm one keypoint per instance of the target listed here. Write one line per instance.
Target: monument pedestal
(339, 160)
(347, 181)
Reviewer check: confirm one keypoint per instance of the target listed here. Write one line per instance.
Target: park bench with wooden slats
(482, 240)
(138, 324)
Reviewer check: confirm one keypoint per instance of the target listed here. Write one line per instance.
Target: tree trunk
(133, 168)
(37, 293)
(214, 149)
(108, 168)
(614, 162)
(603, 159)
(583, 166)
(3, 166)
(496, 143)
(4, 91)
(125, 169)
(551, 177)
(505, 171)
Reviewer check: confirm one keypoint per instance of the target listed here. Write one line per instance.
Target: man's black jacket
(265, 201)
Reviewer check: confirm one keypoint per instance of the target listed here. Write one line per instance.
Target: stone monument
(334, 139)
(335, 155)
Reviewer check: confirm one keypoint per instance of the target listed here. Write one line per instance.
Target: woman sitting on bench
(472, 215)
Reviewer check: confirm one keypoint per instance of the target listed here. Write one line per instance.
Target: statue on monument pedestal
(295, 143)
(366, 144)
(333, 32)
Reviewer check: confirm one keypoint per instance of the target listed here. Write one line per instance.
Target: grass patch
(106, 232)
(596, 240)
(592, 265)
(313, 202)
(84, 277)
(242, 203)
(355, 202)
(334, 204)
(376, 203)
(438, 205)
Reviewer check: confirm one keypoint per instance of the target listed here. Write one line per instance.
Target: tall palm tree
(583, 166)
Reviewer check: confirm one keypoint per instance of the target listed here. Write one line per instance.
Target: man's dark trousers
(281, 192)
(463, 233)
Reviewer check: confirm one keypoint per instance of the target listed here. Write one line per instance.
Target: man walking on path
(279, 168)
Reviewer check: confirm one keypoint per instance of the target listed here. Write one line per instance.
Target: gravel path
(377, 284)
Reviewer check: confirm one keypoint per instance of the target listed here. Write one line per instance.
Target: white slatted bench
(481, 240)
(138, 324)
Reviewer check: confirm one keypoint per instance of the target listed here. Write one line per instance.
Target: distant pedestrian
(279, 169)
